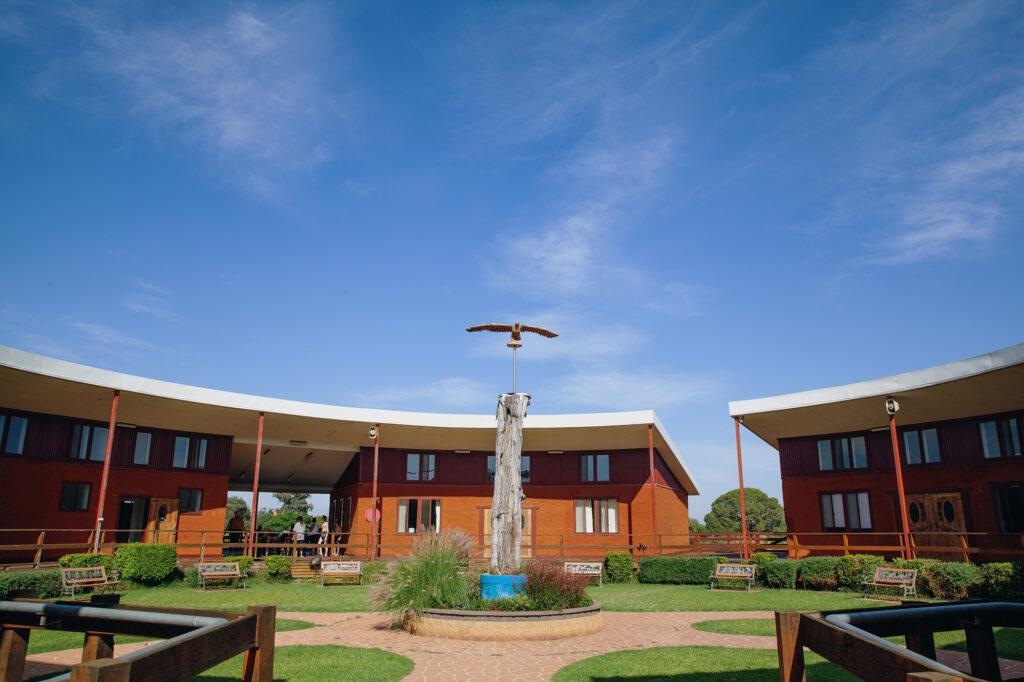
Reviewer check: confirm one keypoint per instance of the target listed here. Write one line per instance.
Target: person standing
(236, 527)
(299, 532)
(325, 537)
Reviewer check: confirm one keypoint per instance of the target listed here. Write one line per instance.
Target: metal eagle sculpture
(516, 342)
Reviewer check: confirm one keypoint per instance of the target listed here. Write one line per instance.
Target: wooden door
(162, 525)
(934, 519)
(527, 543)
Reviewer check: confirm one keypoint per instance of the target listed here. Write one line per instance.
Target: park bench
(905, 578)
(72, 579)
(585, 569)
(219, 571)
(744, 572)
(341, 569)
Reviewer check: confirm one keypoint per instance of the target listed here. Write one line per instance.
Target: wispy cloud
(106, 336)
(149, 299)
(646, 389)
(454, 392)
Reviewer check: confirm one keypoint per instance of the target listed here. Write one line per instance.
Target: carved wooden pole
(507, 506)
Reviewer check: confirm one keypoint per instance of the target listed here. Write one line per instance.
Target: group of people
(319, 533)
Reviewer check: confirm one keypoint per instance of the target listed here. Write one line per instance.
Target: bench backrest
(346, 567)
(884, 574)
(89, 574)
(225, 569)
(734, 570)
(583, 568)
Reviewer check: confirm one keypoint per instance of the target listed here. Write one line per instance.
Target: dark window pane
(912, 447)
(524, 468)
(825, 455)
(99, 444)
(930, 437)
(827, 522)
(1010, 508)
(201, 454)
(490, 468)
(602, 467)
(412, 467)
(180, 452)
(428, 467)
(15, 442)
(842, 446)
(852, 511)
(587, 467)
(80, 442)
(142, 442)
(860, 452)
(82, 497)
(1012, 438)
(67, 496)
(990, 440)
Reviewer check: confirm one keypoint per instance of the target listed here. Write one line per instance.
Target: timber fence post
(106, 670)
(791, 650)
(39, 552)
(13, 647)
(259, 661)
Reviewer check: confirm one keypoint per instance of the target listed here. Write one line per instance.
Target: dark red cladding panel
(47, 438)
(666, 473)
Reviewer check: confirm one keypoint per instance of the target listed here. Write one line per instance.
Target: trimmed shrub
(924, 584)
(760, 560)
(678, 570)
(1004, 580)
(618, 567)
(279, 567)
(550, 588)
(854, 569)
(146, 563)
(40, 584)
(781, 573)
(190, 576)
(88, 561)
(519, 602)
(953, 580)
(244, 564)
(819, 572)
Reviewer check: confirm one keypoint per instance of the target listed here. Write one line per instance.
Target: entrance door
(934, 518)
(162, 525)
(131, 519)
(527, 522)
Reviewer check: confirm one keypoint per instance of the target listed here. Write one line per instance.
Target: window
(842, 453)
(12, 433)
(415, 516)
(845, 511)
(74, 496)
(142, 442)
(190, 500)
(594, 467)
(189, 452)
(1010, 507)
(1001, 438)
(597, 516)
(180, 452)
(89, 442)
(419, 467)
(921, 445)
(524, 468)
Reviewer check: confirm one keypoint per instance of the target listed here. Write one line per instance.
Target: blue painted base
(501, 586)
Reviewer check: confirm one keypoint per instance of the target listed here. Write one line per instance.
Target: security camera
(373, 432)
(891, 406)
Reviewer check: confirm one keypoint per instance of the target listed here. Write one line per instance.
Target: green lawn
(287, 597)
(692, 664)
(316, 663)
(635, 597)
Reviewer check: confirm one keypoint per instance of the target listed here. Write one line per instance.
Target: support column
(251, 550)
(745, 549)
(650, 479)
(106, 473)
(375, 519)
(891, 407)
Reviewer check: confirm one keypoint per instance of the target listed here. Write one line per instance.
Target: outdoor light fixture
(290, 476)
(125, 425)
(241, 476)
(461, 452)
(309, 454)
(879, 428)
(266, 451)
(296, 442)
(891, 406)
(556, 452)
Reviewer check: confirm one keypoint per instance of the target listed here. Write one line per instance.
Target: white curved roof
(331, 432)
(985, 384)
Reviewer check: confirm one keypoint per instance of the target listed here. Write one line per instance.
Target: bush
(435, 575)
(760, 560)
(550, 588)
(781, 573)
(279, 567)
(40, 584)
(190, 576)
(145, 563)
(1004, 580)
(953, 580)
(854, 569)
(818, 572)
(618, 567)
(244, 564)
(678, 570)
(88, 561)
(924, 585)
(519, 602)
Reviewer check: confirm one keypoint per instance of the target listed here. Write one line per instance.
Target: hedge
(1004, 580)
(88, 561)
(781, 573)
(279, 567)
(678, 570)
(854, 569)
(953, 580)
(760, 560)
(44, 584)
(819, 572)
(244, 564)
(618, 567)
(146, 563)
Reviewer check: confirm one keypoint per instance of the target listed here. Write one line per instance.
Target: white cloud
(109, 337)
(451, 392)
(646, 389)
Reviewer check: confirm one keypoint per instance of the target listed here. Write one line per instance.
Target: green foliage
(372, 570)
(760, 560)
(1004, 580)
(780, 573)
(924, 585)
(39, 584)
(244, 564)
(953, 580)
(854, 569)
(281, 521)
(294, 502)
(618, 567)
(279, 567)
(519, 602)
(435, 575)
(146, 563)
(697, 527)
(763, 513)
(678, 570)
(819, 572)
(88, 561)
(550, 588)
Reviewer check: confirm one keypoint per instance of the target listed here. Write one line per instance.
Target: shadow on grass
(816, 671)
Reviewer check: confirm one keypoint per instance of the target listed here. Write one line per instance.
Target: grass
(42, 641)
(315, 663)
(693, 664)
(286, 596)
(1009, 641)
(635, 597)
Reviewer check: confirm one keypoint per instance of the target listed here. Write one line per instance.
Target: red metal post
(650, 478)
(899, 485)
(106, 472)
(251, 549)
(745, 550)
(373, 502)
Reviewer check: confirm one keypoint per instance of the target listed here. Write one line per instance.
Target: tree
(296, 502)
(236, 504)
(764, 514)
(697, 527)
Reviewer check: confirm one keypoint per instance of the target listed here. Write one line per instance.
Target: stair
(302, 571)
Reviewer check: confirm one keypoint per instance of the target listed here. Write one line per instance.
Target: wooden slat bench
(586, 569)
(341, 569)
(905, 578)
(72, 579)
(222, 570)
(744, 572)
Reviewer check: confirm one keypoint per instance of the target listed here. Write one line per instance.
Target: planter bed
(503, 625)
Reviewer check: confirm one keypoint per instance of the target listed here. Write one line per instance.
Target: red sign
(372, 514)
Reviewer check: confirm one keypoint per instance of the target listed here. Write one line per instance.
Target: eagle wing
(490, 328)
(539, 330)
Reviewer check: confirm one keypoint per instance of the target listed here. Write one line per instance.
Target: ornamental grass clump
(550, 588)
(435, 575)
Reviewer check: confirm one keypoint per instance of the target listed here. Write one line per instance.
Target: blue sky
(709, 201)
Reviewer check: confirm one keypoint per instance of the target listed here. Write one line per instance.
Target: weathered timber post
(507, 505)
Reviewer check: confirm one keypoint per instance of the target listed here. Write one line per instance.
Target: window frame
(423, 472)
(997, 505)
(196, 450)
(849, 452)
(6, 421)
(149, 449)
(77, 484)
(181, 500)
(404, 528)
(90, 442)
(597, 505)
(844, 498)
(1007, 428)
(590, 464)
(917, 434)
(524, 468)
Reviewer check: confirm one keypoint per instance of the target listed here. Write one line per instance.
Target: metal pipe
(899, 485)
(106, 472)
(745, 550)
(100, 613)
(650, 478)
(373, 502)
(843, 621)
(251, 550)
